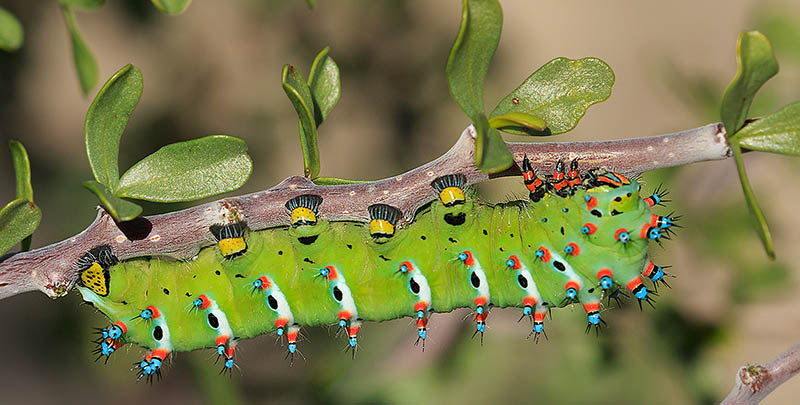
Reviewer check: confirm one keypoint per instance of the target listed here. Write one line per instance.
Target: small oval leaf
(778, 132)
(85, 62)
(517, 122)
(559, 92)
(22, 168)
(491, 153)
(189, 170)
(325, 85)
(11, 34)
(120, 209)
(106, 120)
(300, 96)
(478, 36)
(756, 64)
(18, 220)
(171, 6)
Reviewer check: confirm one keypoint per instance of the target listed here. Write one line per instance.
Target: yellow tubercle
(302, 215)
(231, 247)
(452, 196)
(381, 226)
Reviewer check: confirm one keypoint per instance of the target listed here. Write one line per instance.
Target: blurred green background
(216, 69)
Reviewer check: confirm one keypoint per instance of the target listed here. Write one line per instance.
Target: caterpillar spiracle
(576, 240)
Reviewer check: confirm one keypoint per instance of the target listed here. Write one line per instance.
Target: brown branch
(181, 234)
(753, 383)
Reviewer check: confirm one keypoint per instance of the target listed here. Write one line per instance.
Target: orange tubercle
(604, 273)
(637, 281)
(122, 326)
(221, 340)
(572, 284)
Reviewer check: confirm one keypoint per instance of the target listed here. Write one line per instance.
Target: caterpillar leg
(527, 308)
(421, 309)
(638, 289)
(538, 324)
(481, 313)
(480, 323)
(618, 296)
(225, 350)
(291, 338)
(657, 198)
(352, 332)
(109, 340)
(150, 367)
(593, 316)
(656, 274)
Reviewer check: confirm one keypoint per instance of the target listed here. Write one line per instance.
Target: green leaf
(778, 132)
(11, 34)
(187, 171)
(517, 121)
(18, 219)
(85, 63)
(481, 22)
(120, 209)
(332, 181)
(311, 3)
(559, 92)
(88, 4)
(22, 168)
(300, 95)
(325, 85)
(756, 64)
(171, 6)
(106, 120)
(491, 153)
(752, 204)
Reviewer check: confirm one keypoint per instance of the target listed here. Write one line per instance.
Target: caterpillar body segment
(538, 255)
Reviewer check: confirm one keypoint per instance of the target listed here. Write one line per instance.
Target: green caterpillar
(577, 240)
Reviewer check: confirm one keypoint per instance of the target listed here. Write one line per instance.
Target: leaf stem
(752, 203)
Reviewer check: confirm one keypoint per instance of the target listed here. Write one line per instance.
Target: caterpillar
(575, 240)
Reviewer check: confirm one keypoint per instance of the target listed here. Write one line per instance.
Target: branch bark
(754, 382)
(181, 234)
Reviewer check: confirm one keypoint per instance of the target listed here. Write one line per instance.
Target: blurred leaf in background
(171, 6)
(85, 62)
(11, 33)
